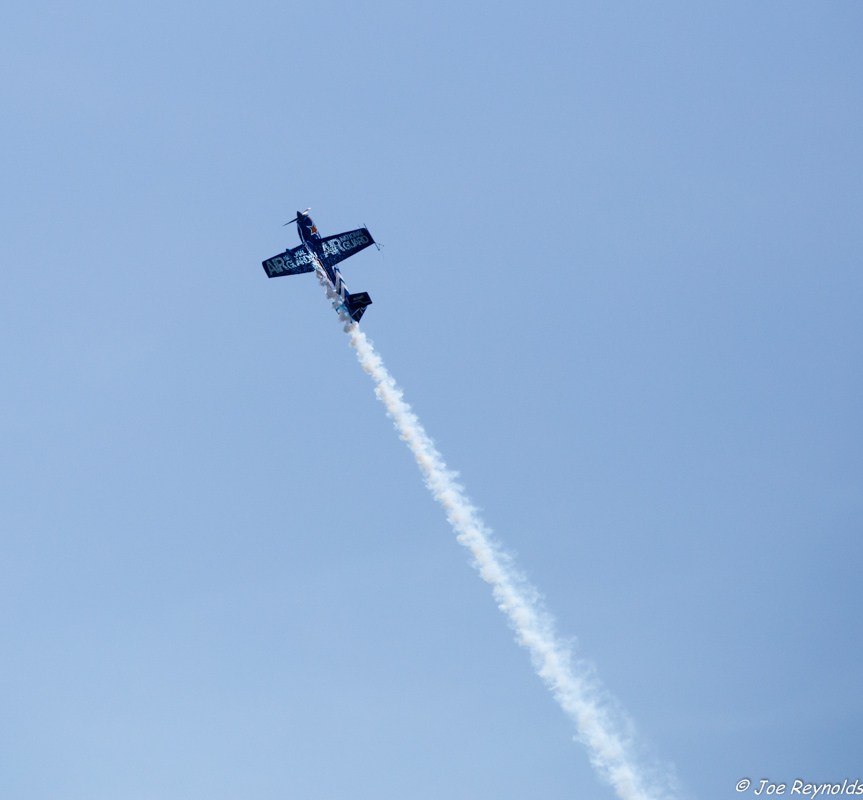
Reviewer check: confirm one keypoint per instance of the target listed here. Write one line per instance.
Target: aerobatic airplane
(322, 255)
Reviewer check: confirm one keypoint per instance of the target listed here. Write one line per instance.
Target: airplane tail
(357, 303)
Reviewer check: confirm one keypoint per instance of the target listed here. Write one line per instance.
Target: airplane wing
(291, 262)
(339, 247)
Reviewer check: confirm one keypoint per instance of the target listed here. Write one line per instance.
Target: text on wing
(289, 259)
(345, 243)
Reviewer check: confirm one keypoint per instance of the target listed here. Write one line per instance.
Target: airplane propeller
(301, 214)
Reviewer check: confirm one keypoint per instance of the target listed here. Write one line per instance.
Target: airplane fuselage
(312, 240)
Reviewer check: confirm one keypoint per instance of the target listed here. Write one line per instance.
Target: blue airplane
(322, 255)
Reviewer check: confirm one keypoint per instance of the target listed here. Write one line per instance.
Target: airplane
(321, 255)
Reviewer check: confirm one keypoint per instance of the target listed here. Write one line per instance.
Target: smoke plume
(575, 690)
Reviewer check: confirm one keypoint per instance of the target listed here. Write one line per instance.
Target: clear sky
(621, 286)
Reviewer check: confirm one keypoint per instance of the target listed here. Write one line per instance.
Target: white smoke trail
(577, 693)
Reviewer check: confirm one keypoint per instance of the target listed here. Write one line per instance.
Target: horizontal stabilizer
(339, 247)
(357, 304)
(291, 262)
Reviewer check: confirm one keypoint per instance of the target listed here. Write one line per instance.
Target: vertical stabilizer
(357, 303)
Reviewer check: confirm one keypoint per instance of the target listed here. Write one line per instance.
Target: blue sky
(621, 287)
